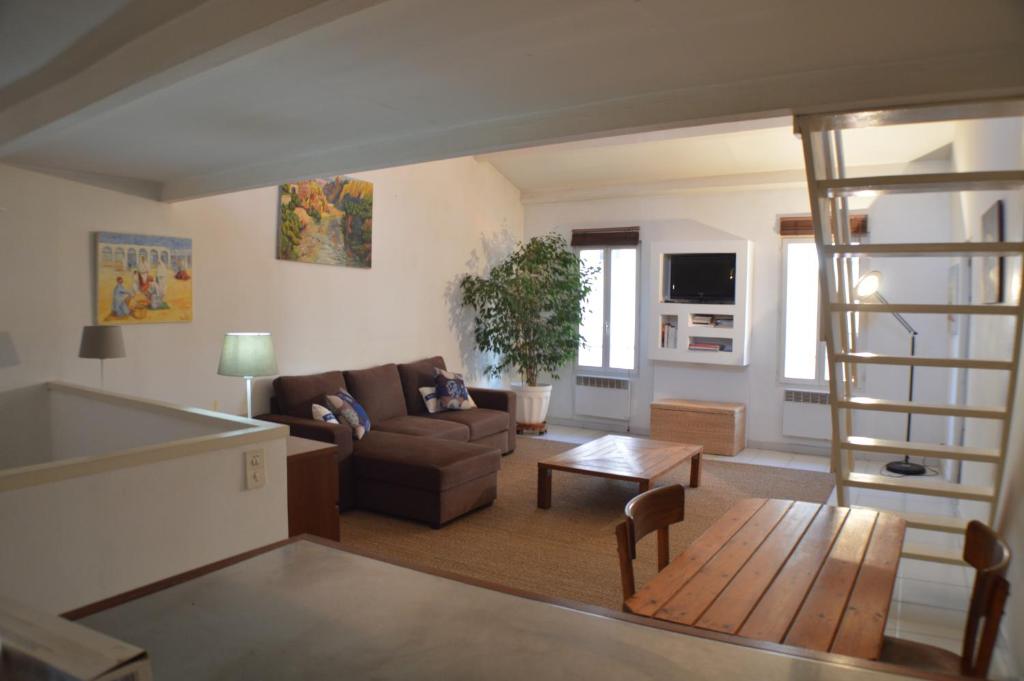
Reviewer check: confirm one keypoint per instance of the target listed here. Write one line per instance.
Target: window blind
(803, 225)
(608, 236)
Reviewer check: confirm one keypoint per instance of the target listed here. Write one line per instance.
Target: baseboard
(792, 447)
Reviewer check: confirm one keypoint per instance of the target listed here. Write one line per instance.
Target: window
(609, 321)
(803, 354)
(804, 357)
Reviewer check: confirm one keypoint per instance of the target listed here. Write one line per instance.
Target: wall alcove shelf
(705, 333)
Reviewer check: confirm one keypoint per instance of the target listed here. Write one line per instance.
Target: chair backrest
(651, 511)
(990, 556)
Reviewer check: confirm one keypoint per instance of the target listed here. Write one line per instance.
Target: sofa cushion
(297, 394)
(481, 422)
(422, 426)
(379, 390)
(422, 463)
(416, 375)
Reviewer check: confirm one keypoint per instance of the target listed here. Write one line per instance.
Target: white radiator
(602, 397)
(806, 413)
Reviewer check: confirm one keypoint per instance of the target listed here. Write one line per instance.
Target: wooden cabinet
(313, 488)
(720, 427)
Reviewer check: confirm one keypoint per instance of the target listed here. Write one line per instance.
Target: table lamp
(101, 342)
(867, 287)
(247, 355)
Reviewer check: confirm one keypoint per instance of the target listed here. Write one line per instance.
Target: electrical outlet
(255, 469)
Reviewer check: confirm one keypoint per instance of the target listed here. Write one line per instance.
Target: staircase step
(932, 451)
(901, 360)
(927, 486)
(949, 249)
(935, 555)
(932, 182)
(874, 404)
(926, 521)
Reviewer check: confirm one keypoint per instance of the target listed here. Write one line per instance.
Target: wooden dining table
(792, 572)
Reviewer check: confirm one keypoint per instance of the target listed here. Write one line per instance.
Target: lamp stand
(248, 396)
(905, 467)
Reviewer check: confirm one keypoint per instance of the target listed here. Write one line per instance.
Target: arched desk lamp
(867, 287)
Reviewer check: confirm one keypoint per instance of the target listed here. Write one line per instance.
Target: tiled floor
(930, 601)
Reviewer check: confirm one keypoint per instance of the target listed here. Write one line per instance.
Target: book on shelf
(705, 347)
(668, 334)
(702, 320)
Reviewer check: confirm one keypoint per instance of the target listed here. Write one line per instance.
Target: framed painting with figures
(143, 279)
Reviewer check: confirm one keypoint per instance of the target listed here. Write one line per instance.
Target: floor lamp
(867, 287)
(247, 355)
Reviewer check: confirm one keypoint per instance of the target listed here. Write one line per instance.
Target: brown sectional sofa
(427, 467)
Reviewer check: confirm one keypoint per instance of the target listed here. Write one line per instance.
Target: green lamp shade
(247, 354)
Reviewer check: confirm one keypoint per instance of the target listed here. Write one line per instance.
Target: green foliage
(290, 226)
(528, 311)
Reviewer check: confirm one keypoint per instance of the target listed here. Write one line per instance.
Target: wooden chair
(653, 510)
(990, 556)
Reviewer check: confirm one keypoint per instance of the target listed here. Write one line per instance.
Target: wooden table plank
(862, 629)
(737, 600)
(816, 623)
(771, 617)
(690, 602)
(650, 597)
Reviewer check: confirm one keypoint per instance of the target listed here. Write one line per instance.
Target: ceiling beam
(147, 46)
(954, 78)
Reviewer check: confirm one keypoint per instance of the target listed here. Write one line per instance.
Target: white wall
(997, 145)
(746, 214)
(432, 222)
(753, 214)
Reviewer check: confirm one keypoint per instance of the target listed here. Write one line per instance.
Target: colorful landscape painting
(143, 279)
(328, 221)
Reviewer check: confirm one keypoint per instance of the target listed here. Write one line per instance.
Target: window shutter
(611, 236)
(803, 225)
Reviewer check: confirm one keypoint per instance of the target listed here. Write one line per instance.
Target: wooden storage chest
(721, 427)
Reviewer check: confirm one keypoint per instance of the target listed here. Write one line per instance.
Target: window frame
(820, 379)
(604, 369)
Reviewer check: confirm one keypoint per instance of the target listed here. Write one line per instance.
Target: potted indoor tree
(528, 312)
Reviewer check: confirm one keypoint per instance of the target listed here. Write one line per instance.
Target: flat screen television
(700, 278)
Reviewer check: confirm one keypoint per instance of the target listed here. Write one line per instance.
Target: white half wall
(72, 542)
(432, 223)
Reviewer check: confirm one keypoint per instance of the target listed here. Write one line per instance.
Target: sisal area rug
(569, 550)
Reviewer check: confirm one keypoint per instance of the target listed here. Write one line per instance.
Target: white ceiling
(758, 147)
(24, 22)
(219, 95)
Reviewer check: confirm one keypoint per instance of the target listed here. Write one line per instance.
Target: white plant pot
(531, 404)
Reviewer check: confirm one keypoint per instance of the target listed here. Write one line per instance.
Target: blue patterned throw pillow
(451, 391)
(346, 408)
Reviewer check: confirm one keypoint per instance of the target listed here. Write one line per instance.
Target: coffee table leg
(543, 487)
(695, 470)
(645, 485)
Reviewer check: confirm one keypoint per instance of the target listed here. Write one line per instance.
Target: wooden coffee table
(620, 458)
